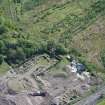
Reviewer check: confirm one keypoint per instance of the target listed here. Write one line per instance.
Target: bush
(1, 59)
(29, 52)
(56, 48)
(75, 52)
(28, 5)
(15, 56)
(17, 1)
(20, 55)
(2, 29)
(2, 47)
(60, 49)
(89, 66)
(103, 57)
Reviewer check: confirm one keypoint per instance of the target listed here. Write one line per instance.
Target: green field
(31, 27)
(101, 103)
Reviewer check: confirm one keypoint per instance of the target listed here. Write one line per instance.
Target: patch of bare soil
(63, 87)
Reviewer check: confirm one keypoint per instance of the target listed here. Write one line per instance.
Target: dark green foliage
(55, 48)
(15, 56)
(1, 59)
(30, 4)
(17, 48)
(89, 65)
(98, 6)
(20, 54)
(2, 29)
(103, 57)
(60, 49)
(75, 52)
(29, 52)
(11, 56)
(17, 1)
(2, 47)
(74, 23)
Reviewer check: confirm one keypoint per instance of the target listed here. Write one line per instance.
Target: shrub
(2, 29)
(28, 5)
(2, 47)
(103, 57)
(1, 59)
(15, 56)
(56, 48)
(89, 66)
(75, 52)
(17, 1)
(60, 49)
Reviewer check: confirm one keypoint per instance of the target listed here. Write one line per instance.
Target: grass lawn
(102, 102)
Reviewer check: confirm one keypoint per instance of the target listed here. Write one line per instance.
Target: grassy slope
(36, 23)
(91, 41)
(46, 16)
(101, 103)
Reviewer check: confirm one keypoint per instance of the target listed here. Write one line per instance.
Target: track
(92, 99)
